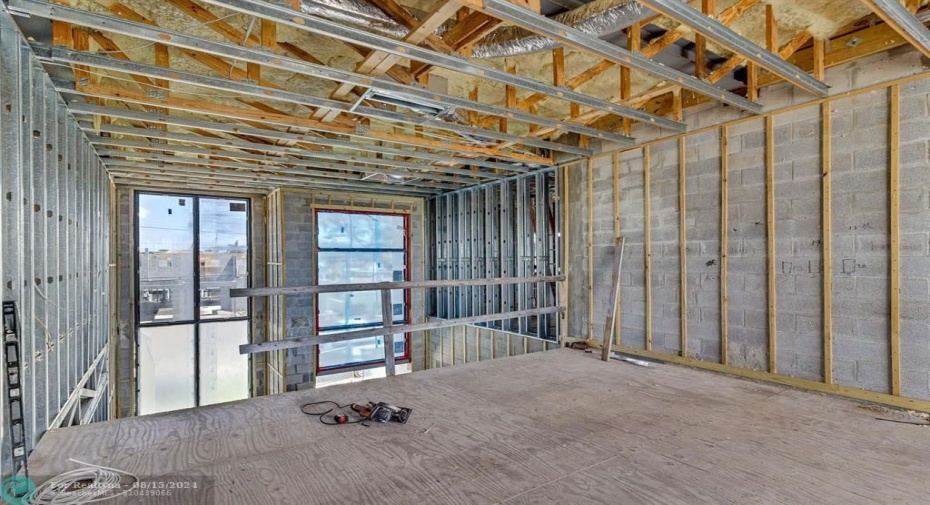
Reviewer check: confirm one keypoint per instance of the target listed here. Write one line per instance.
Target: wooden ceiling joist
(720, 33)
(728, 16)
(901, 18)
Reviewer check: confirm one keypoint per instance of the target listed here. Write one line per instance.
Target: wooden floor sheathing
(554, 427)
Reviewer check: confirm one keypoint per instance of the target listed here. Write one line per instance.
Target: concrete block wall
(860, 235)
(861, 242)
(299, 271)
(747, 318)
(915, 239)
(666, 266)
(633, 273)
(702, 211)
(798, 244)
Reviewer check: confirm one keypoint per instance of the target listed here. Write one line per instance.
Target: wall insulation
(799, 238)
(54, 262)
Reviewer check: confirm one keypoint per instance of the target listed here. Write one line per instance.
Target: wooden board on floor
(549, 427)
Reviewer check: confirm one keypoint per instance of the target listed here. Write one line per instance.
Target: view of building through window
(191, 252)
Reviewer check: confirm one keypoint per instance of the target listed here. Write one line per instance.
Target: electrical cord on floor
(90, 484)
(334, 421)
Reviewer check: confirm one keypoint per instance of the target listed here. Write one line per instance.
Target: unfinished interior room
(465, 251)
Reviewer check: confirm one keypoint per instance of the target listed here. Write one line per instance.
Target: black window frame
(197, 320)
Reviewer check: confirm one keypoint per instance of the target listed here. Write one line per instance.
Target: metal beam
(287, 16)
(158, 161)
(292, 343)
(267, 179)
(176, 185)
(78, 108)
(564, 34)
(191, 106)
(174, 173)
(902, 21)
(298, 151)
(61, 55)
(714, 30)
(109, 141)
(272, 60)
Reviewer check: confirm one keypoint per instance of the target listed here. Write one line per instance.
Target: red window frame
(316, 300)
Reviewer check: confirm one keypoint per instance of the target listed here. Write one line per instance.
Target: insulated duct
(599, 18)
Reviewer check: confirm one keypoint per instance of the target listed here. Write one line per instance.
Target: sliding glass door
(191, 251)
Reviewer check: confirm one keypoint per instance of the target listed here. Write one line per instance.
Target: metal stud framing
(54, 259)
(506, 228)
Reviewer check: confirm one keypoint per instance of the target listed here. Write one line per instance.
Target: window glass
(222, 368)
(345, 230)
(166, 368)
(359, 248)
(224, 257)
(166, 261)
(358, 351)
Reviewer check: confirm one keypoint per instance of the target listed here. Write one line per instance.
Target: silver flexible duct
(598, 18)
(355, 12)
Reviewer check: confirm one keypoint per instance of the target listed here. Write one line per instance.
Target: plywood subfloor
(556, 427)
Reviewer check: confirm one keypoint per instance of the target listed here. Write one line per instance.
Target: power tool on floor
(382, 412)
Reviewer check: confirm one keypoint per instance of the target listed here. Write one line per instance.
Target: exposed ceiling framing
(213, 106)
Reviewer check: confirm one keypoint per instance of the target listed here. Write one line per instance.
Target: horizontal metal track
(176, 185)
(61, 55)
(377, 286)
(301, 21)
(272, 60)
(301, 153)
(504, 10)
(130, 158)
(232, 129)
(156, 161)
(714, 30)
(292, 343)
(177, 173)
(231, 115)
(109, 141)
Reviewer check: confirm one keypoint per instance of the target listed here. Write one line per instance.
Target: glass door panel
(166, 368)
(165, 258)
(221, 366)
(224, 257)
